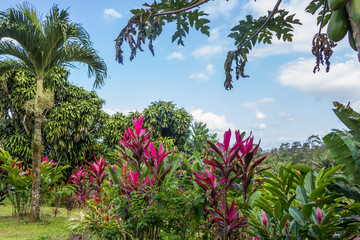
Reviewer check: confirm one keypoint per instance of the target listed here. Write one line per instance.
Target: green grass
(55, 228)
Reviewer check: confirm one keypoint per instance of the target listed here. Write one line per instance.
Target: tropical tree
(200, 134)
(341, 17)
(40, 45)
(166, 121)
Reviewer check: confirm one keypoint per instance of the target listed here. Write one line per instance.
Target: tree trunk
(37, 152)
(355, 28)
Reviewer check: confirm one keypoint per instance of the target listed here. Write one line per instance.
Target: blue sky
(282, 101)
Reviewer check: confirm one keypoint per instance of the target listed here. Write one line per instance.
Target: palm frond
(74, 52)
(12, 49)
(45, 45)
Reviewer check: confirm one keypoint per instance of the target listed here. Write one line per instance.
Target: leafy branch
(277, 22)
(146, 24)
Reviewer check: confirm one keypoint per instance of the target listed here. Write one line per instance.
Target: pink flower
(264, 219)
(319, 214)
(287, 224)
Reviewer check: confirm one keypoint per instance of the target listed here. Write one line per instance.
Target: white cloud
(214, 34)
(111, 111)
(175, 55)
(286, 117)
(204, 75)
(303, 34)
(215, 123)
(284, 139)
(259, 126)
(111, 14)
(207, 51)
(341, 83)
(220, 8)
(256, 103)
(260, 115)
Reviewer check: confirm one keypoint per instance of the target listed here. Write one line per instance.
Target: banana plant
(345, 150)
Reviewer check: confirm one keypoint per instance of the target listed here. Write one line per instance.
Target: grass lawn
(12, 229)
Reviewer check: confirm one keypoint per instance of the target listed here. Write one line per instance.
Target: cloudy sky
(282, 101)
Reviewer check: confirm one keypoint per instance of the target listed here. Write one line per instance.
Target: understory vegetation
(148, 189)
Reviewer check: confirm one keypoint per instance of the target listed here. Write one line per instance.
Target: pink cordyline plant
(136, 141)
(227, 219)
(78, 178)
(45, 160)
(98, 173)
(155, 162)
(132, 182)
(234, 165)
(207, 181)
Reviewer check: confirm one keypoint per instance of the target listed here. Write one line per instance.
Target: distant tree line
(311, 153)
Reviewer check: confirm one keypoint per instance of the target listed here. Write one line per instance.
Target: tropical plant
(297, 202)
(19, 182)
(73, 108)
(18, 179)
(147, 24)
(198, 138)
(40, 45)
(164, 120)
(80, 179)
(233, 171)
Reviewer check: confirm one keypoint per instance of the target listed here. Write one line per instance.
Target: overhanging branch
(191, 6)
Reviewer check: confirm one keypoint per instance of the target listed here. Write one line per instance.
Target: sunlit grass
(52, 228)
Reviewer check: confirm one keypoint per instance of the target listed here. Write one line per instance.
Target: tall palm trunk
(37, 152)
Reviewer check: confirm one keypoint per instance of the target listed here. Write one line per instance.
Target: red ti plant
(228, 219)
(97, 173)
(233, 165)
(132, 182)
(155, 162)
(136, 141)
(247, 163)
(79, 178)
(207, 181)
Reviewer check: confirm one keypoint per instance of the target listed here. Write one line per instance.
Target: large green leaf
(296, 214)
(308, 183)
(301, 196)
(350, 118)
(317, 192)
(345, 153)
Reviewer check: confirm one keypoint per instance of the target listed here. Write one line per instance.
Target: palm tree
(39, 46)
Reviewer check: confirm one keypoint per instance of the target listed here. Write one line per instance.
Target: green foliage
(251, 31)
(196, 142)
(74, 125)
(147, 24)
(345, 148)
(19, 180)
(71, 130)
(293, 202)
(311, 153)
(163, 119)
